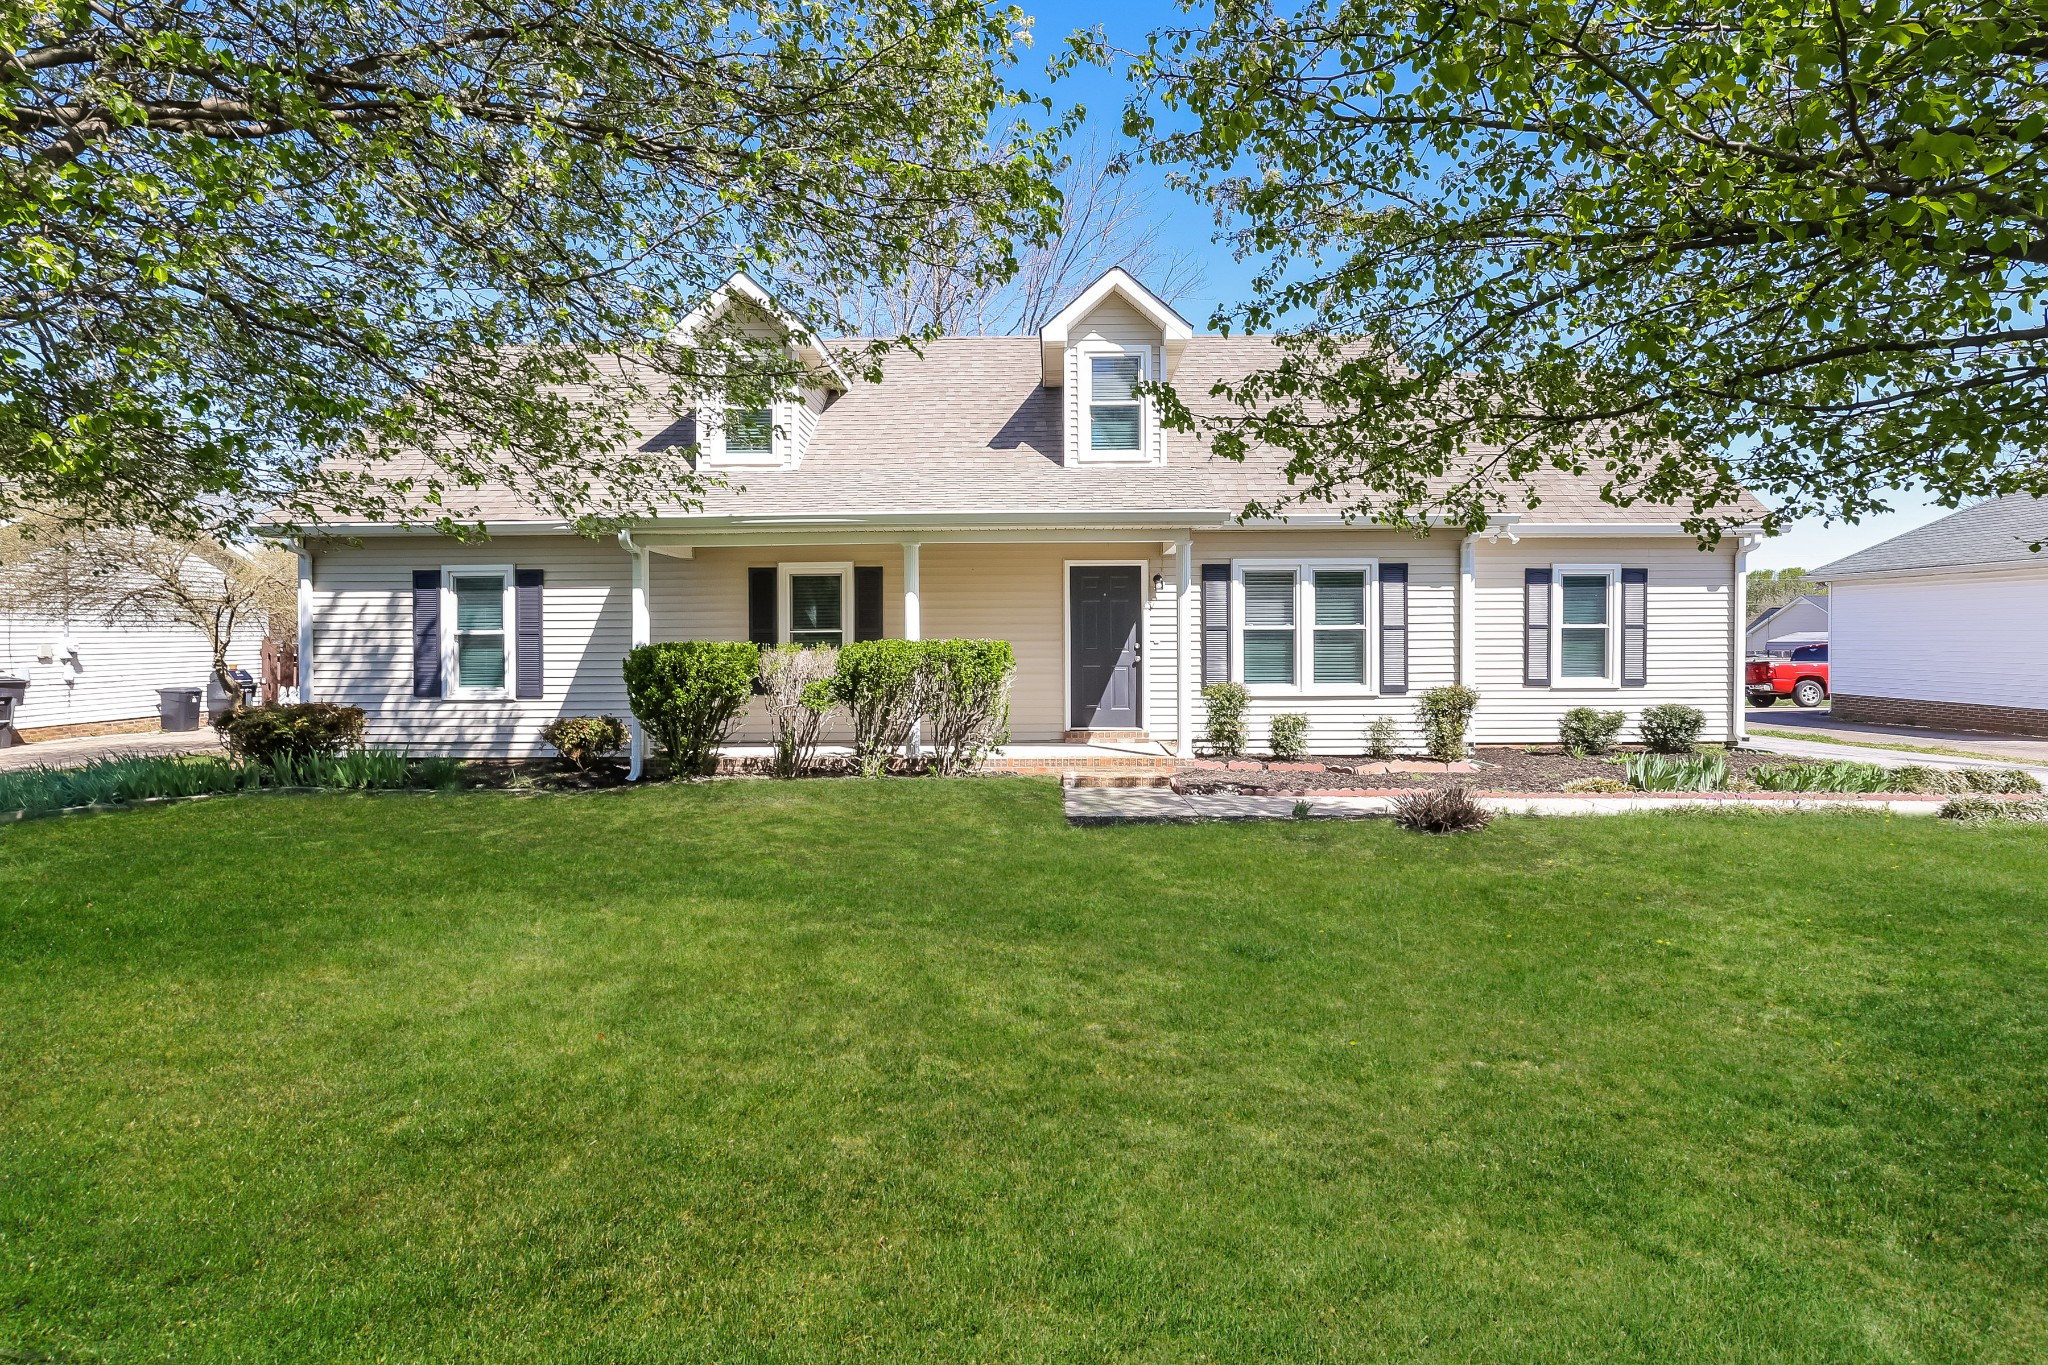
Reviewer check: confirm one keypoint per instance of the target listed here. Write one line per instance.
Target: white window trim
(1086, 453)
(711, 449)
(785, 572)
(1304, 627)
(451, 675)
(1611, 681)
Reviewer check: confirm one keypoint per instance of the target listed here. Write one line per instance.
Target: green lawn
(909, 1070)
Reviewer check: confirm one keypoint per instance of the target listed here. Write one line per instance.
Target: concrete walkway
(1160, 805)
(71, 753)
(1891, 745)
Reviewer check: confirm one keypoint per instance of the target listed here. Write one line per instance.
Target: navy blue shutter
(1215, 623)
(1393, 628)
(1536, 628)
(761, 606)
(867, 602)
(426, 632)
(1635, 627)
(527, 671)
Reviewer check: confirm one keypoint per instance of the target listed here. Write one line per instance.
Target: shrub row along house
(1018, 488)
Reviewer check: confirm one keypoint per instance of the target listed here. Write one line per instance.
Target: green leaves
(1794, 246)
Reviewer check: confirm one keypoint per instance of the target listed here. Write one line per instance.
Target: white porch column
(1186, 657)
(643, 631)
(1468, 552)
(913, 626)
(1738, 639)
(305, 622)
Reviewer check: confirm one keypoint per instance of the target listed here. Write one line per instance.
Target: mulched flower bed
(1492, 769)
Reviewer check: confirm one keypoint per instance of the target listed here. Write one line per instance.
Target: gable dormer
(740, 319)
(1097, 349)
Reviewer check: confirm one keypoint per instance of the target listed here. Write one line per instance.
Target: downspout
(1738, 618)
(305, 619)
(642, 631)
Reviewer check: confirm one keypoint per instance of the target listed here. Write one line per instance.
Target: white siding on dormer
(1113, 322)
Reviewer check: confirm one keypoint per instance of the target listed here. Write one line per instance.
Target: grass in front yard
(912, 1071)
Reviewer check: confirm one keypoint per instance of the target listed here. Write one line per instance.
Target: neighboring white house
(87, 677)
(1947, 626)
(1018, 487)
(1802, 621)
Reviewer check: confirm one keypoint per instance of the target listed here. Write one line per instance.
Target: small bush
(1444, 810)
(584, 740)
(688, 693)
(1288, 737)
(1445, 715)
(966, 691)
(1676, 773)
(1585, 732)
(1596, 784)
(261, 733)
(1671, 729)
(1224, 734)
(796, 682)
(1822, 777)
(878, 682)
(1382, 739)
(1980, 809)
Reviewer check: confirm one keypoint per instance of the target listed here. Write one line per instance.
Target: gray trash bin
(177, 708)
(12, 693)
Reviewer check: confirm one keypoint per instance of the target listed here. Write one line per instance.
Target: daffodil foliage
(247, 250)
(1797, 245)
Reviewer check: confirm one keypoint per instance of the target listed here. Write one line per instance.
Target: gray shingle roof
(1991, 532)
(968, 427)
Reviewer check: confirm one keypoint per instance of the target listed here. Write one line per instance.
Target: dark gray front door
(1103, 605)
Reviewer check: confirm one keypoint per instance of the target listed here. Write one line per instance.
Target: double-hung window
(477, 611)
(750, 431)
(1304, 625)
(816, 600)
(1116, 414)
(1586, 607)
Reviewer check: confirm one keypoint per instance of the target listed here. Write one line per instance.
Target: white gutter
(642, 631)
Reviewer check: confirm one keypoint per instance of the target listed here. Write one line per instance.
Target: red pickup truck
(1803, 677)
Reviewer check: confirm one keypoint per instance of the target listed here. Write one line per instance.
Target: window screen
(479, 631)
(1583, 647)
(749, 431)
(1269, 625)
(1113, 408)
(1339, 654)
(817, 609)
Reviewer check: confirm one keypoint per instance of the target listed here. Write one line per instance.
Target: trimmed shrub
(1288, 737)
(966, 692)
(1224, 734)
(1382, 739)
(1444, 810)
(796, 683)
(1585, 732)
(261, 733)
(1445, 716)
(688, 693)
(1672, 729)
(584, 740)
(1676, 773)
(879, 683)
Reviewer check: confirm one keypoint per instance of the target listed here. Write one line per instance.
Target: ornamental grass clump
(1822, 777)
(1445, 715)
(1671, 729)
(1287, 736)
(1441, 810)
(966, 693)
(1978, 808)
(796, 686)
(1676, 773)
(880, 683)
(1587, 733)
(689, 693)
(584, 740)
(120, 781)
(1223, 733)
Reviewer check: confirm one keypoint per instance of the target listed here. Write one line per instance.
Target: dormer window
(1116, 417)
(750, 431)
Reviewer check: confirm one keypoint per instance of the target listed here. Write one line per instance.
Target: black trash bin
(177, 708)
(12, 692)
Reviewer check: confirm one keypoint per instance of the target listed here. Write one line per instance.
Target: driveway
(70, 753)
(1817, 734)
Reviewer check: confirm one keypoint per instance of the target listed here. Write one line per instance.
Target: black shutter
(867, 601)
(426, 632)
(1215, 623)
(1393, 628)
(527, 671)
(1635, 627)
(761, 606)
(1536, 628)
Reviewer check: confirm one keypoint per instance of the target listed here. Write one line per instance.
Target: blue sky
(1186, 226)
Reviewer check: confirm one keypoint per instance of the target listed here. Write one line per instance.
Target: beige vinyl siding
(1960, 637)
(1338, 722)
(1690, 600)
(362, 640)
